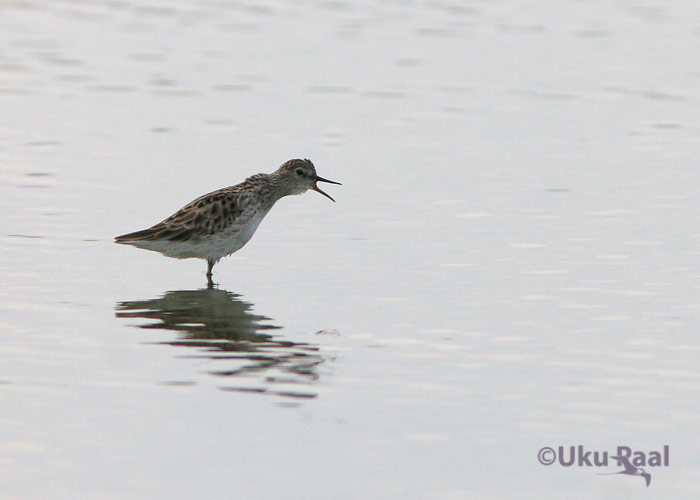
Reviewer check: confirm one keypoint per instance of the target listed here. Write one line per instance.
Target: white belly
(212, 247)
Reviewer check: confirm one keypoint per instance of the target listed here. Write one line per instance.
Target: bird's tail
(145, 234)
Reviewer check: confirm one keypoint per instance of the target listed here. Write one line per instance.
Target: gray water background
(512, 261)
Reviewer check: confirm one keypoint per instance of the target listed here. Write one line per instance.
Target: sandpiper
(220, 223)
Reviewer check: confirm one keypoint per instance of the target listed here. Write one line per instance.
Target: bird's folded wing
(209, 214)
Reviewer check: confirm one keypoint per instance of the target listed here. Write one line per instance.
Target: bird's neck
(270, 187)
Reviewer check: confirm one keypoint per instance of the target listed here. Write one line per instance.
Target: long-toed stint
(220, 223)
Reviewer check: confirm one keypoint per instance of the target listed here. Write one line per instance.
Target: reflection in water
(223, 328)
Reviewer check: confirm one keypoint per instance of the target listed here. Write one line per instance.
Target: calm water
(512, 261)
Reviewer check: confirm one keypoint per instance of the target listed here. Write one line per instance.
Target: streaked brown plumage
(220, 223)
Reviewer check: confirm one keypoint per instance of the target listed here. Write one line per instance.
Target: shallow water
(512, 261)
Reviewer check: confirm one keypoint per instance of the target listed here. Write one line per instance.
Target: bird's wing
(207, 214)
(629, 468)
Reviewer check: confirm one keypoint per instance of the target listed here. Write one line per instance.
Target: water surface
(512, 261)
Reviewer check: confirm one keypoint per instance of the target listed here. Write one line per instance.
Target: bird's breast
(248, 229)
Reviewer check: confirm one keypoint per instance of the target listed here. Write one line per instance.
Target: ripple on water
(231, 87)
(330, 89)
(113, 88)
(384, 94)
(42, 143)
(176, 92)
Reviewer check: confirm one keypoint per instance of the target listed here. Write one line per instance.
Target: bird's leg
(210, 266)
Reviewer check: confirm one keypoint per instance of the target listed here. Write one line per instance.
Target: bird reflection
(222, 327)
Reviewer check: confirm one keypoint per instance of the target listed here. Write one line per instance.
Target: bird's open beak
(318, 190)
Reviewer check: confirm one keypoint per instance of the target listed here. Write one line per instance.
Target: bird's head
(297, 176)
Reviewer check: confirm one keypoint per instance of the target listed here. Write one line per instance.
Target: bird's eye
(300, 172)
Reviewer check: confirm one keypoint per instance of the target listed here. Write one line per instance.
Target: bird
(220, 223)
(630, 469)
